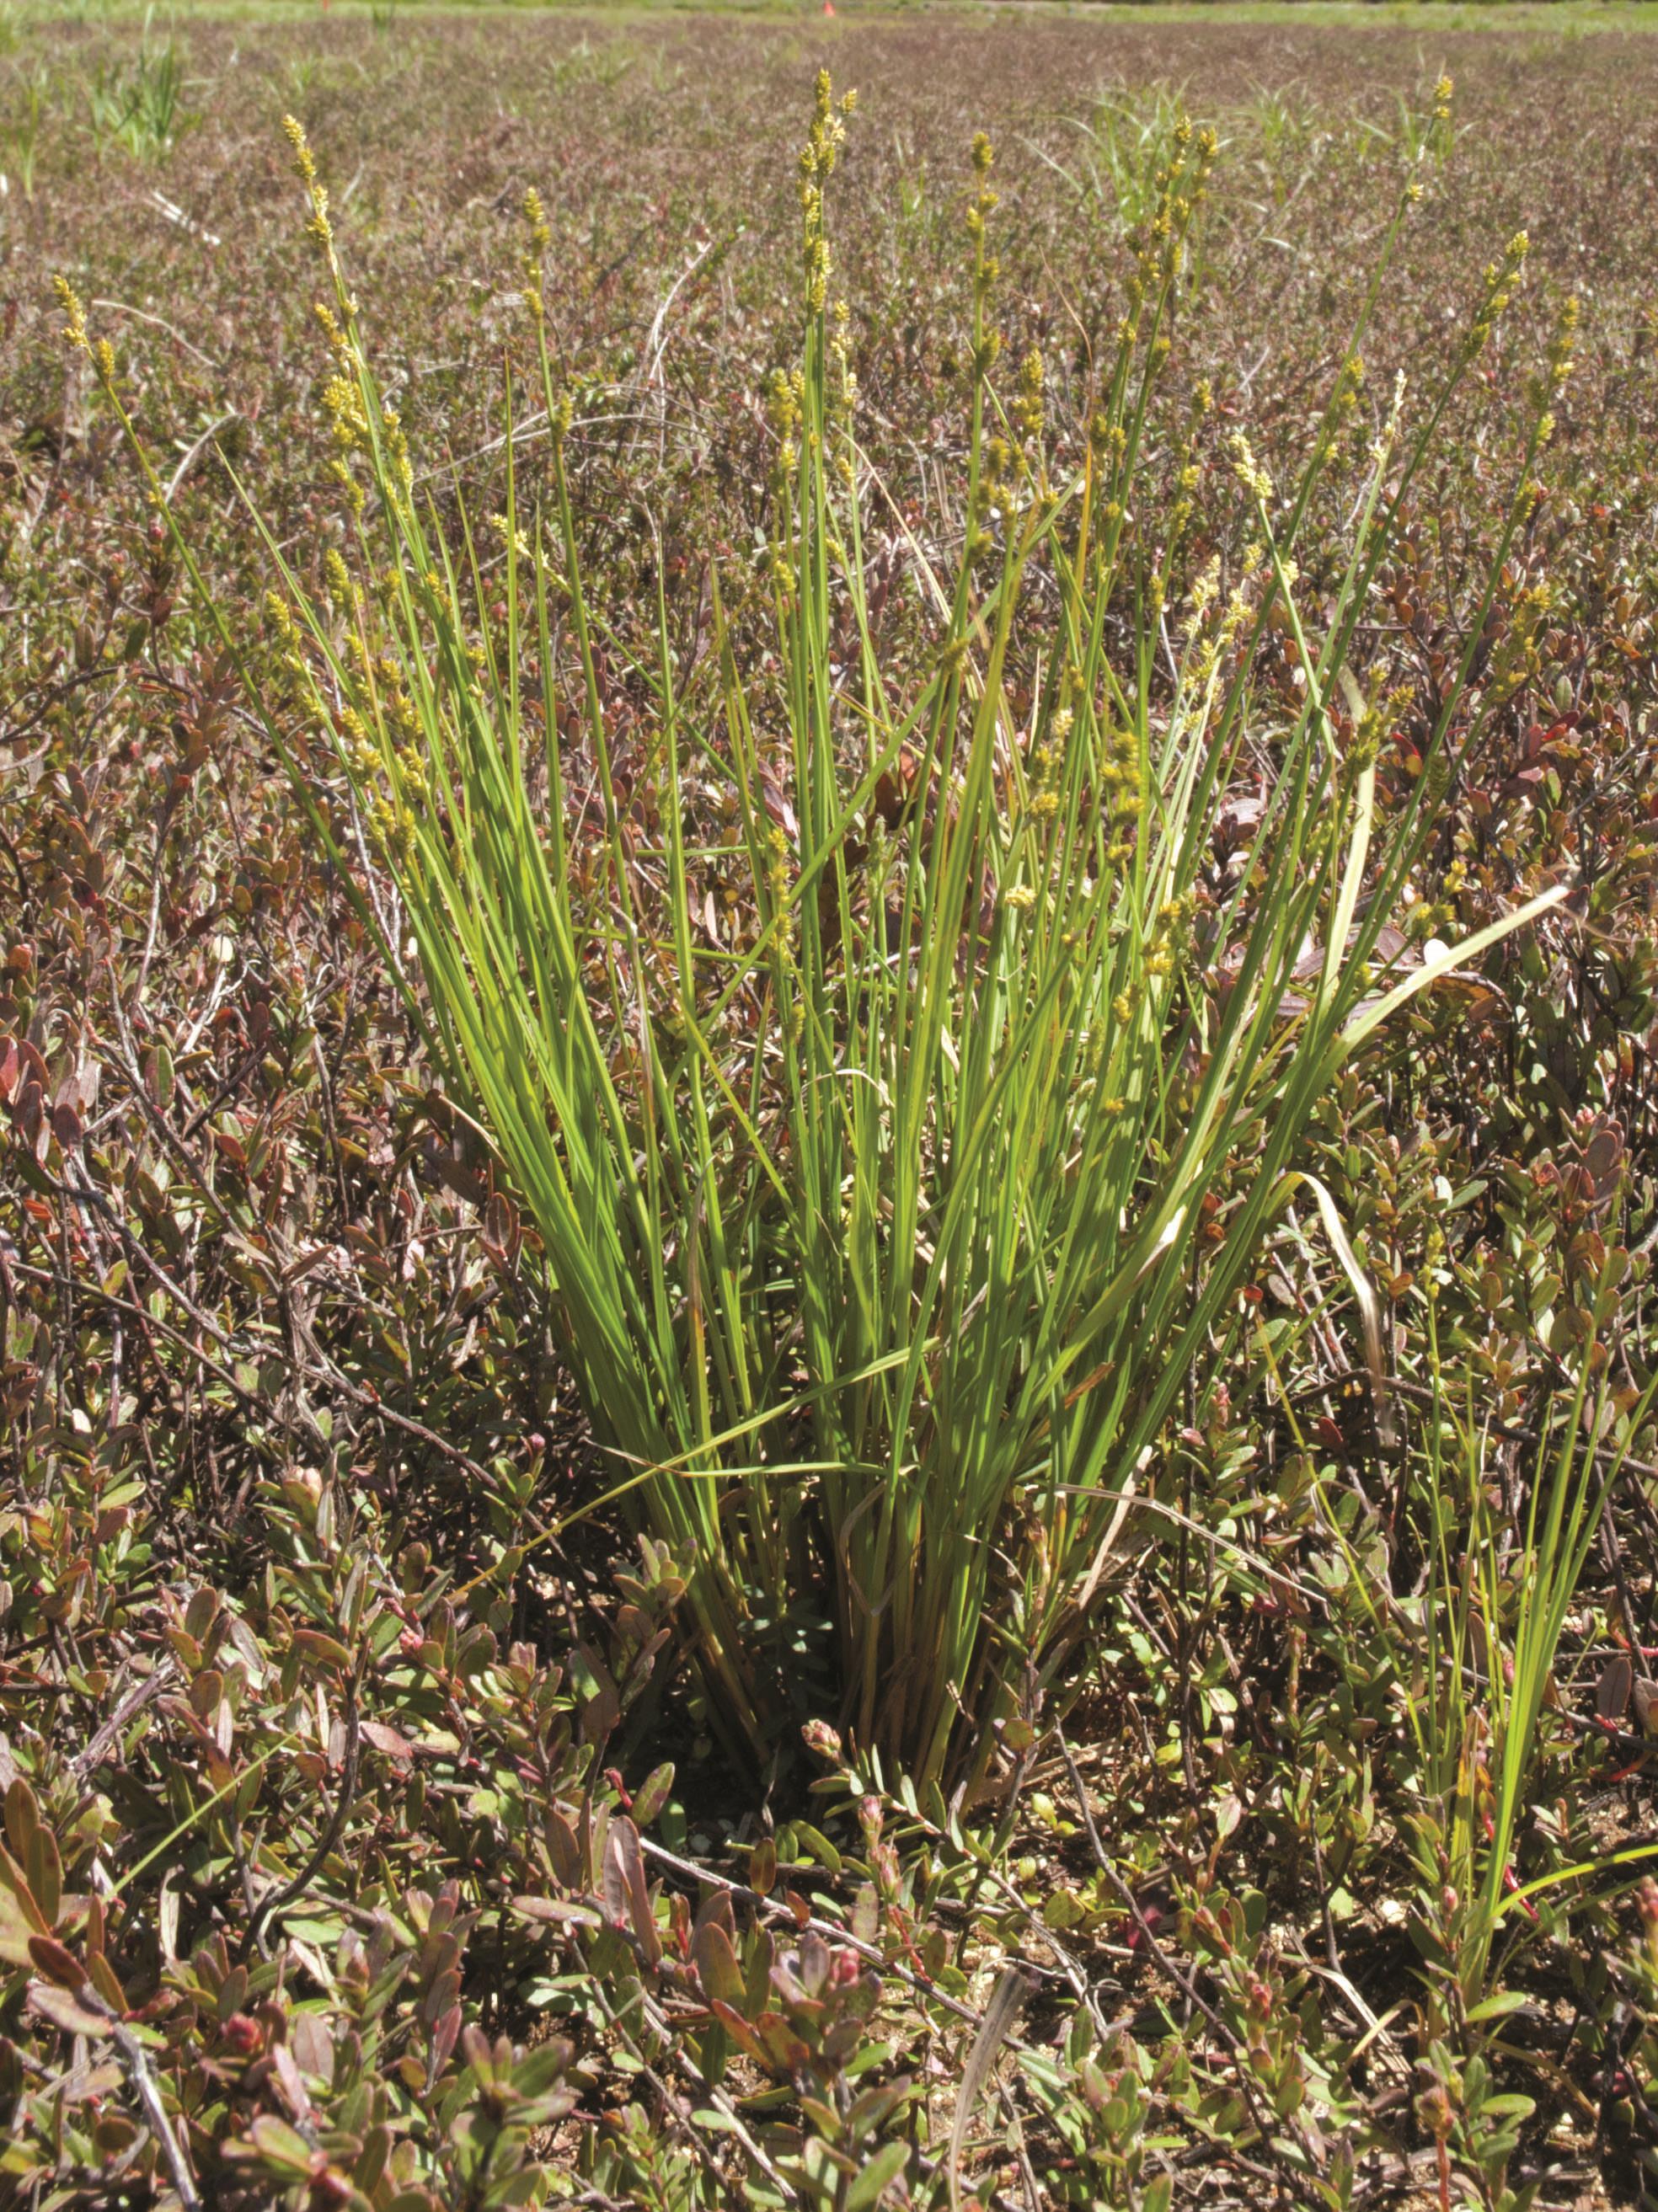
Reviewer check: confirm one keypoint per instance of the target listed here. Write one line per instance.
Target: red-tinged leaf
(112, 2131)
(64, 2011)
(653, 1794)
(557, 1911)
(763, 1867)
(102, 1975)
(717, 1967)
(778, 805)
(387, 1740)
(443, 2038)
(1645, 1694)
(205, 1692)
(56, 1963)
(784, 2052)
(740, 2033)
(1612, 1694)
(79, 1088)
(815, 1961)
(230, 1147)
(562, 1847)
(679, 1923)
(502, 1233)
(1603, 1156)
(22, 1819)
(15, 1929)
(717, 1907)
(30, 1116)
(866, 1914)
(291, 2081)
(315, 1645)
(311, 2047)
(627, 1891)
(616, 1889)
(444, 1993)
(281, 2146)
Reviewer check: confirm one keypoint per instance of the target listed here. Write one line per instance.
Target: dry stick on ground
(325, 1369)
(318, 1368)
(110, 1299)
(197, 450)
(831, 1933)
(138, 314)
(322, 1370)
(54, 693)
(1421, 1395)
(90, 1757)
(656, 343)
(827, 1928)
(716, 2096)
(1182, 1982)
(278, 1901)
(672, 2104)
(143, 2083)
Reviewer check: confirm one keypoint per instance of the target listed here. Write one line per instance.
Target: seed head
(1247, 470)
(304, 167)
(280, 616)
(75, 325)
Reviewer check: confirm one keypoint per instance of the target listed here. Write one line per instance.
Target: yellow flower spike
(75, 324)
(318, 226)
(304, 165)
(280, 616)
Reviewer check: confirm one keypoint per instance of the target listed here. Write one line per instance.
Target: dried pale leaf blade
(1007, 2001)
